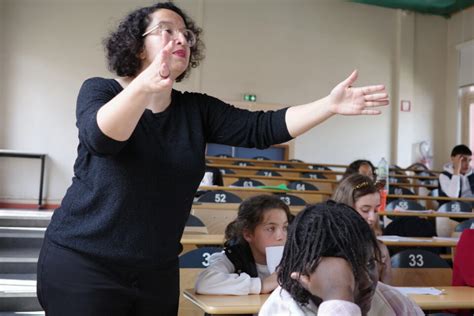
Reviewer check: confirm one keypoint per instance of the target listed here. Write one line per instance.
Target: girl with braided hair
(261, 222)
(361, 193)
(329, 268)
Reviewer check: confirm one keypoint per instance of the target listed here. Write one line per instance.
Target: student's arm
(338, 307)
(343, 99)
(269, 283)
(450, 186)
(219, 278)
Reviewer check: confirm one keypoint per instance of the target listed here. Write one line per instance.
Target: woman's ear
(142, 53)
(247, 234)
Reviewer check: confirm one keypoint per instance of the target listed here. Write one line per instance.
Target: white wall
(460, 30)
(285, 51)
(293, 52)
(2, 108)
(429, 85)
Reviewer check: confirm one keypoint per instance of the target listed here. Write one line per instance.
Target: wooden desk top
(202, 239)
(428, 214)
(453, 297)
(262, 190)
(218, 240)
(232, 206)
(227, 304)
(400, 241)
(428, 197)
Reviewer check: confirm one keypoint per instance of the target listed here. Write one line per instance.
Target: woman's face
(271, 231)
(155, 41)
(367, 207)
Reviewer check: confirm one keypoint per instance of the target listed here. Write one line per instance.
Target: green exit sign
(250, 97)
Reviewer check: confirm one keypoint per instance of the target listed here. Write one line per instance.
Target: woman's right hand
(269, 283)
(157, 77)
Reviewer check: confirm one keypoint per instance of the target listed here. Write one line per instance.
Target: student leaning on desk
(261, 222)
(140, 159)
(329, 268)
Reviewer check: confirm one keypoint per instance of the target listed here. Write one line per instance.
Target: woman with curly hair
(112, 246)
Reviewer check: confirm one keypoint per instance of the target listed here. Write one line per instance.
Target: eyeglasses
(188, 35)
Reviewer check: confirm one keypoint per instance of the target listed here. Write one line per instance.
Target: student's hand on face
(269, 283)
(347, 100)
(457, 163)
(333, 279)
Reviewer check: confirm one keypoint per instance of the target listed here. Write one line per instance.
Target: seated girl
(241, 269)
(361, 166)
(328, 268)
(360, 192)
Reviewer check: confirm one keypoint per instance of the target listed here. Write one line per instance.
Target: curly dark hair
(327, 229)
(124, 45)
(250, 214)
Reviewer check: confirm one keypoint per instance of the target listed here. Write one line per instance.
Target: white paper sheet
(401, 238)
(274, 255)
(420, 290)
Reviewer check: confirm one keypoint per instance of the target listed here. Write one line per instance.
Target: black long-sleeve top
(129, 200)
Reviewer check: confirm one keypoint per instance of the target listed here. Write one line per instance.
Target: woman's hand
(347, 100)
(333, 279)
(156, 77)
(343, 99)
(269, 283)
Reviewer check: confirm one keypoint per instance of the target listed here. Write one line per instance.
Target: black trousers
(73, 284)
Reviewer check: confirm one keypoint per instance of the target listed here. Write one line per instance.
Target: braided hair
(327, 229)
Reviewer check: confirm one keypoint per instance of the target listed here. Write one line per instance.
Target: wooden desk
(216, 216)
(454, 297)
(227, 304)
(42, 157)
(202, 239)
(418, 241)
(428, 214)
(428, 198)
(246, 192)
(321, 184)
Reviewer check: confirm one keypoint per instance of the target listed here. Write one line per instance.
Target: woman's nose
(280, 234)
(180, 38)
(372, 218)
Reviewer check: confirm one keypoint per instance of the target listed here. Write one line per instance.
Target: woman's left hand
(347, 100)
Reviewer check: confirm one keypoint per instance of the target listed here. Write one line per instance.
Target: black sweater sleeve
(226, 124)
(94, 93)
